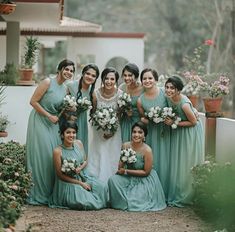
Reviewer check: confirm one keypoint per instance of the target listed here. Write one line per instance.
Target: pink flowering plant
(193, 85)
(194, 70)
(217, 88)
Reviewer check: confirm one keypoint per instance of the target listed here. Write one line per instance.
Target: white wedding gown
(104, 154)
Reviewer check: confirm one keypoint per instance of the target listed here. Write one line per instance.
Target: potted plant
(214, 91)
(193, 72)
(192, 87)
(3, 119)
(7, 7)
(29, 58)
(3, 125)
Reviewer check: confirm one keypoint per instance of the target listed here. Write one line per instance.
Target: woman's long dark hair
(142, 126)
(108, 70)
(153, 71)
(176, 82)
(64, 63)
(84, 70)
(65, 125)
(132, 68)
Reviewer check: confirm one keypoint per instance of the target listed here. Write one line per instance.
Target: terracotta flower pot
(7, 8)
(3, 134)
(26, 77)
(212, 105)
(194, 99)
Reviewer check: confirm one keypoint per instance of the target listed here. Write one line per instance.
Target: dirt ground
(42, 218)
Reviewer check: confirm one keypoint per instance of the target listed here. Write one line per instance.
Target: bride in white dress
(104, 149)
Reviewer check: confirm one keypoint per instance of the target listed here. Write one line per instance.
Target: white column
(12, 42)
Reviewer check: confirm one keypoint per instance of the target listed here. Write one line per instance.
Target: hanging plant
(7, 7)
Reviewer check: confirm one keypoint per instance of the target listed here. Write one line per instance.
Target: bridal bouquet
(105, 119)
(69, 102)
(83, 104)
(168, 112)
(69, 166)
(154, 114)
(124, 103)
(128, 156)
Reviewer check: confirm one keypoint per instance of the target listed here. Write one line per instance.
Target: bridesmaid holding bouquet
(187, 144)
(83, 90)
(42, 133)
(136, 186)
(159, 134)
(134, 89)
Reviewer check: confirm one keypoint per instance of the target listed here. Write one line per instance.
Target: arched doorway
(118, 63)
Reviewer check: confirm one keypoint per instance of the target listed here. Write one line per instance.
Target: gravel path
(42, 218)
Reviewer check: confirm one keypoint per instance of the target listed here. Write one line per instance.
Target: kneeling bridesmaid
(74, 188)
(136, 186)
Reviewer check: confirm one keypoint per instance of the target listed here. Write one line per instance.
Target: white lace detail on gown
(104, 154)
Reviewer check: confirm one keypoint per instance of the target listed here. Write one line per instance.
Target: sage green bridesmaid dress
(74, 196)
(132, 193)
(82, 124)
(42, 138)
(159, 139)
(187, 145)
(126, 121)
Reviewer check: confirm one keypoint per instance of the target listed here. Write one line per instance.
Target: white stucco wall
(225, 137)
(104, 49)
(17, 108)
(2, 52)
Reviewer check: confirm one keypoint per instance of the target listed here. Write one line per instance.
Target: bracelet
(125, 172)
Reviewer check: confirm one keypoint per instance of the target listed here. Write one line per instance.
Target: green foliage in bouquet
(15, 182)
(214, 198)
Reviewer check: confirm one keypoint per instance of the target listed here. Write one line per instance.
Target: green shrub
(9, 75)
(214, 198)
(15, 182)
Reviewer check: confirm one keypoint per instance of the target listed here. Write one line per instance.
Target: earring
(143, 139)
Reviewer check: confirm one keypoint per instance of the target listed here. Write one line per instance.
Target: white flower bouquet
(128, 156)
(124, 103)
(105, 119)
(83, 104)
(69, 103)
(154, 114)
(168, 112)
(69, 166)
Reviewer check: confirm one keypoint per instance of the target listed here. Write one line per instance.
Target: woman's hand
(72, 109)
(85, 186)
(144, 120)
(78, 170)
(53, 118)
(196, 113)
(107, 135)
(129, 113)
(168, 121)
(121, 171)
